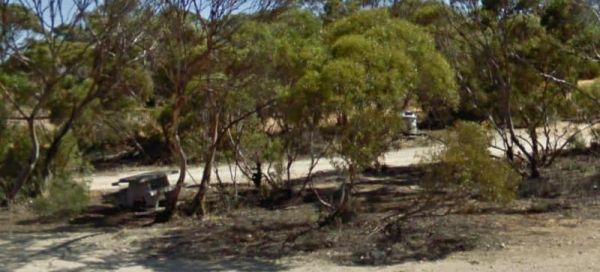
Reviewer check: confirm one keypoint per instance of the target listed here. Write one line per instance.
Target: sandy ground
(556, 245)
(561, 245)
(101, 181)
(553, 245)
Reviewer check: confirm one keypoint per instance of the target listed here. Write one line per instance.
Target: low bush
(14, 153)
(64, 197)
(578, 142)
(465, 167)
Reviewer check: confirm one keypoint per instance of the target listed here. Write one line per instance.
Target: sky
(68, 8)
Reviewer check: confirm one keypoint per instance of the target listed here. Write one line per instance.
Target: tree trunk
(345, 212)
(62, 132)
(510, 153)
(535, 172)
(288, 171)
(173, 196)
(534, 161)
(199, 202)
(346, 195)
(34, 156)
(55, 146)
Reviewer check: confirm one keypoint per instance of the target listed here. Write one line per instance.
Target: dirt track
(101, 181)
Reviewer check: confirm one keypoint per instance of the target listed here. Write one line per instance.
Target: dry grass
(585, 83)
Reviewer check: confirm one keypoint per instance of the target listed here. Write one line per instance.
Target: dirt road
(101, 181)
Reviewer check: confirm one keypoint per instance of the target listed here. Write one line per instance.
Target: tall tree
(377, 65)
(195, 32)
(522, 71)
(70, 57)
(273, 57)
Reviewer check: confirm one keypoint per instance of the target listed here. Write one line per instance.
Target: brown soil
(560, 214)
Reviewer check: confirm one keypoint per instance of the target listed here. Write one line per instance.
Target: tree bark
(535, 154)
(34, 156)
(199, 201)
(173, 196)
(59, 136)
(345, 205)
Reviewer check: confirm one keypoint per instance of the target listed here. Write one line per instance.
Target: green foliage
(343, 78)
(64, 198)
(586, 99)
(573, 23)
(400, 59)
(16, 17)
(378, 64)
(578, 142)
(14, 151)
(334, 10)
(430, 12)
(517, 63)
(67, 69)
(367, 135)
(465, 167)
(70, 159)
(259, 147)
(21, 87)
(268, 151)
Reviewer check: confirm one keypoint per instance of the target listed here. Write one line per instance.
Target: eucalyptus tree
(116, 73)
(192, 35)
(263, 59)
(70, 54)
(518, 64)
(578, 22)
(277, 54)
(16, 21)
(376, 66)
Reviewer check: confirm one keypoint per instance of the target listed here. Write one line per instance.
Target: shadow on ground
(103, 238)
(253, 236)
(270, 231)
(81, 251)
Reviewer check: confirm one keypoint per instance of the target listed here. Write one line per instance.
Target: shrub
(268, 151)
(464, 166)
(70, 159)
(64, 197)
(15, 148)
(14, 153)
(578, 142)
